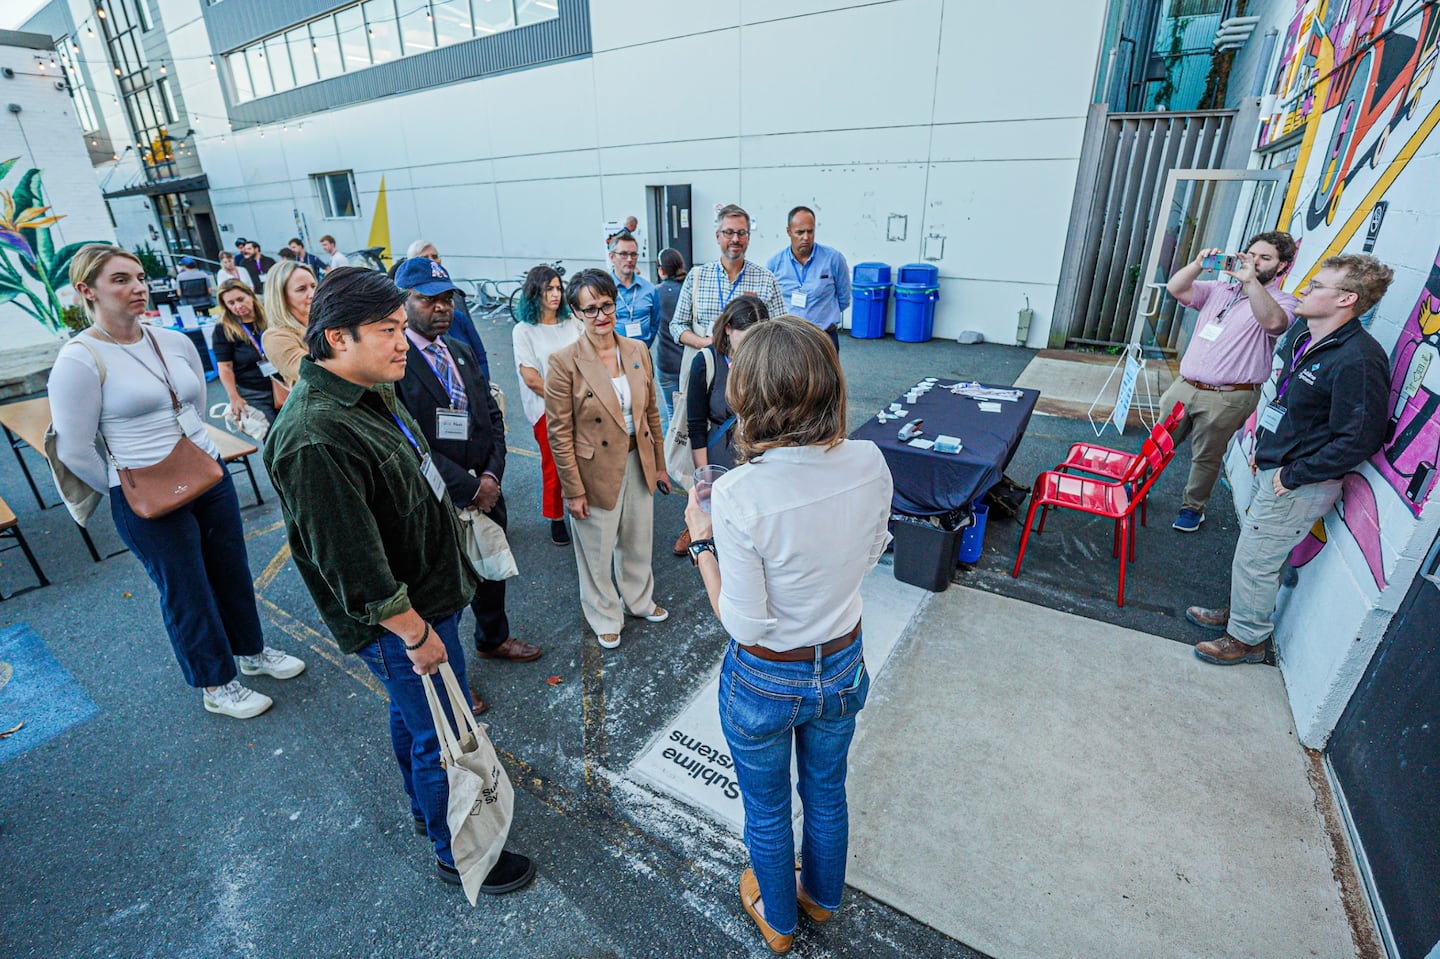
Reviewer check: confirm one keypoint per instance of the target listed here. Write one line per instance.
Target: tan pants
(618, 539)
(1211, 418)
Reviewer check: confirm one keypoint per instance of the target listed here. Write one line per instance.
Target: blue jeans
(412, 731)
(196, 558)
(763, 705)
(669, 383)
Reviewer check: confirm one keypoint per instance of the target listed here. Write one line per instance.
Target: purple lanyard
(1295, 355)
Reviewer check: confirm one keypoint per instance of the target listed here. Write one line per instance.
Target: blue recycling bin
(917, 290)
(870, 300)
(972, 537)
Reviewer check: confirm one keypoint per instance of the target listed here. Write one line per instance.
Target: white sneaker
(271, 662)
(235, 700)
(609, 640)
(659, 616)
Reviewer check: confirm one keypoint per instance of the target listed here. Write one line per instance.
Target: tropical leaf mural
(32, 270)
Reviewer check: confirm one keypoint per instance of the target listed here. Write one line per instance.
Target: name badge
(797, 299)
(452, 425)
(1270, 419)
(267, 368)
(189, 420)
(1212, 331)
(634, 330)
(433, 477)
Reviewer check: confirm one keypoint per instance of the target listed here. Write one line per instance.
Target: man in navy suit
(446, 392)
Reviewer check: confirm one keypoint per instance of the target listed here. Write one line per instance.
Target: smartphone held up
(1221, 262)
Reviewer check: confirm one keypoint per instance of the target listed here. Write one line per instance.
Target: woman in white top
(604, 423)
(796, 527)
(110, 395)
(289, 288)
(229, 271)
(545, 325)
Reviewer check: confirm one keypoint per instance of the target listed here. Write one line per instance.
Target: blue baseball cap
(424, 276)
(187, 261)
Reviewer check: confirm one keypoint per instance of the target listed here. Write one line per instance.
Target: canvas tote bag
(482, 801)
(678, 462)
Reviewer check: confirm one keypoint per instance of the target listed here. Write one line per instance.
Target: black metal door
(676, 229)
(1385, 754)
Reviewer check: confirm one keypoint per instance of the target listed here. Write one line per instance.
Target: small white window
(337, 194)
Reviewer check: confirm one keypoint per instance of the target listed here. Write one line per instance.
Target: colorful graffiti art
(43, 270)
(1408, 461)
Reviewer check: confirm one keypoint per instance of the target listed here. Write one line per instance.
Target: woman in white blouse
(544, 325)
(796, 527)
(110, 396)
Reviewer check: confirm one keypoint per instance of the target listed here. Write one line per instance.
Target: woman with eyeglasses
(792, 532)
(604, 425)
(289, 288)
(545, 325)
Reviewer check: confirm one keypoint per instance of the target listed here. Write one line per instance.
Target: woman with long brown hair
(133, 392)
(239, 355)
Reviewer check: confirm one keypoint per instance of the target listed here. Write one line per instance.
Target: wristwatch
(698, 546)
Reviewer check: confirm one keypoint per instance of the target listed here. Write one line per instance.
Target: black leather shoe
(559, 535)
(420, 829)
(447, 873)
(511, 871)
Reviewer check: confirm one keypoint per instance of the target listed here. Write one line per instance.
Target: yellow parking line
(324, 647)
(272, 569)
(263, 530)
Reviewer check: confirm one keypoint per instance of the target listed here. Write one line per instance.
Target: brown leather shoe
(1217, 618)
(750, 899)
(513, 650)
(682, 545)
(810, 907)
(1227, 651)
(477, 705)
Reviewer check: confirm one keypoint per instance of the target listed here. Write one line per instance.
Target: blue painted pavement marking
(37, 691)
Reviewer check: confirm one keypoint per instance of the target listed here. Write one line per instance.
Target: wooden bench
(26, 421)
(10, 529)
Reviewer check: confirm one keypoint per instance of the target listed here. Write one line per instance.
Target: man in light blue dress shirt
(637, 305)
(814, 279)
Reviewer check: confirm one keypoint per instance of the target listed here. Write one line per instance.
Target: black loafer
(559, 535)
(447, 873)
(511, 871)
(420, 829)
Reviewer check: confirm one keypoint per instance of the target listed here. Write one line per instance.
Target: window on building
(79, 86)
(167, 101)
(142, 15)
(337, 194)
(1196, 8)
(371, 32)
(380, 26)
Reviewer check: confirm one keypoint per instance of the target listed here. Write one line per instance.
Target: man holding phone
(1228, 356)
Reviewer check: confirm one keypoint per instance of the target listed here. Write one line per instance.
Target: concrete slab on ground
(1070, 382)
(1165, 810)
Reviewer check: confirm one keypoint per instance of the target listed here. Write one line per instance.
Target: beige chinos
(1211, 419)
(618, 539)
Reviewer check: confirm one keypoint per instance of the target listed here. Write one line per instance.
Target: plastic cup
(705, 477)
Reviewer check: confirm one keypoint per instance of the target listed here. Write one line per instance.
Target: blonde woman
(289, 288)
(239, 355)
(195, 554)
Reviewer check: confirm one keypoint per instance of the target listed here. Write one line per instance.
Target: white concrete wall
(45, 135)
(1359, 562)
(921, 108)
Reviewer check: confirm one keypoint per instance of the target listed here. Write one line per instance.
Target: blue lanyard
(720, 287)
(795, 267)
(258, 348)
(630, 302)
(1295, 355)
(408, 435)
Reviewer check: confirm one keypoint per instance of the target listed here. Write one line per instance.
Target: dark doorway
(669, 215)
(209, 239)
(1385, 756)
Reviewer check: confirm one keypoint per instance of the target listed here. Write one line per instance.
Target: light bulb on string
(212, 63)
(89, 32)
(100, 12)
(163, 69)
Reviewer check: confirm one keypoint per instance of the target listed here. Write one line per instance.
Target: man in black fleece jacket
(1328, 416)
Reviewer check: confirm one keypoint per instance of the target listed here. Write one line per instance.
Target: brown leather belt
(1235, 388)
(803, 653)
(632, 442)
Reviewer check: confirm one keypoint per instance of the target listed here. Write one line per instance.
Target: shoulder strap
(84, 342)
(709, 355)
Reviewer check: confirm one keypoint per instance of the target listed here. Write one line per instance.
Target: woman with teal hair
(545, 325)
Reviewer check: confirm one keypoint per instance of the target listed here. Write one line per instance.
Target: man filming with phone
(1228, 356)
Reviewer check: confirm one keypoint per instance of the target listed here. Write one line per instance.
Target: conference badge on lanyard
(452, 425)
(427, 465)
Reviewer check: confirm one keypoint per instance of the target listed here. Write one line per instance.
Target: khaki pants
(618, 539)
(1211, 418)
(1269, 530)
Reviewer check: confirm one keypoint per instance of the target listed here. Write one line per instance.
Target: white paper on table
(990, 407)
(188, 319)
(167, 314)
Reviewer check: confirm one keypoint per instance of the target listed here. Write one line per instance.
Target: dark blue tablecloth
(928, 483)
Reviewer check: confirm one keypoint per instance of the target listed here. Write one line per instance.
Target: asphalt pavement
(152, 828)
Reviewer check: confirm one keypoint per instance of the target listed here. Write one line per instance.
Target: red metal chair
(1114, 500)
(1111, 464)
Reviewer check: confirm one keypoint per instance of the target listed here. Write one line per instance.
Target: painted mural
(32, 270)
(1355, 100)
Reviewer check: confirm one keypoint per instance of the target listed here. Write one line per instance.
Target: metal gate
(1117, 198)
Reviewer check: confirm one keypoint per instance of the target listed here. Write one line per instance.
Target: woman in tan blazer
(289, 288)
(604, 429)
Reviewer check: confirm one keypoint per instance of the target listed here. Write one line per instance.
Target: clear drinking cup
(705, 477)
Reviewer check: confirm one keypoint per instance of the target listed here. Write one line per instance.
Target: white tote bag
(485, 545)
(678, 462)
(482, 801)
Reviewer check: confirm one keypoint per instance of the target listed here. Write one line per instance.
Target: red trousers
(552, 502)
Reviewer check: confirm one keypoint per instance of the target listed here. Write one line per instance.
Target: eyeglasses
(627, 256)
(734, 234)
(591, 312)
(1314, 285)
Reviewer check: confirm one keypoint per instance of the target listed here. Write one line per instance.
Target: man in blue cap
(446, 392)
(200, 297)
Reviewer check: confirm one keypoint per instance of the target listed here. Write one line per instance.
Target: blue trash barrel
(916, 292)
(972, 537)
(870, 300)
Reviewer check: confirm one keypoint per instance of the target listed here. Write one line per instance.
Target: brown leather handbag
(181, 477)
(279, 392)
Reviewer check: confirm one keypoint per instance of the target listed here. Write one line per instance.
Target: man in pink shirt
(1228, 357)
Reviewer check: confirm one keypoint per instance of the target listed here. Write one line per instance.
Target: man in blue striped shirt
(815, 279)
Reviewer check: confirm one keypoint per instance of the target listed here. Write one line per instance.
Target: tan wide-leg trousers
(618, 539)
(1211, 418)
